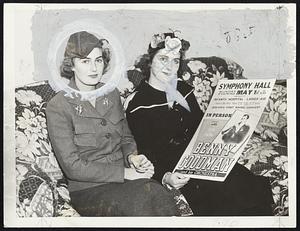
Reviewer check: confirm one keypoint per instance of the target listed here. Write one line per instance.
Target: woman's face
(165, 65)
(88, 71)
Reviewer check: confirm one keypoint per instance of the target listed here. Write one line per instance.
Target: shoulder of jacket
(58, 101)
(115, 93)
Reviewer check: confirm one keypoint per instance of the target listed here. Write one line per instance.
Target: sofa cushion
(41, 186)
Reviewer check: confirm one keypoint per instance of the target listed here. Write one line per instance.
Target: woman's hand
(140, 163)
(177, 180)
(132, 174)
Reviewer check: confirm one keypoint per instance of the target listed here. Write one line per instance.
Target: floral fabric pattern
(269, 158)
(41, 188)
(204, 74)
(28, 97)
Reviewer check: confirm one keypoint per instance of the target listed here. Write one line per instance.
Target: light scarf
(174, 95)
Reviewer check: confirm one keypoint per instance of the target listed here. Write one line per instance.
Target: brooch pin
(78, 109)
(105, 101)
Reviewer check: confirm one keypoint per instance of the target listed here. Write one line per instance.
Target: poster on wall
(103, 101)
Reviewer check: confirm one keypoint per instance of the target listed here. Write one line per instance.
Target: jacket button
(103, 122)
(107, 135)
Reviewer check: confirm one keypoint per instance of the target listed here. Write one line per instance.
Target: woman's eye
(163, 59)
(86, 61)
(176, 61)
(99, 61)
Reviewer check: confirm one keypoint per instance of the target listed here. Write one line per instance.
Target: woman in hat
(94, 145)
(163, 115)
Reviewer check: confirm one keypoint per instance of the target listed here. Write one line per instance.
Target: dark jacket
(232, 135)
(162, 134)
(91, 144)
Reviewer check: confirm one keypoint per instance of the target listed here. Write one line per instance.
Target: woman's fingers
(132, 174)
(178, 186)
(132, 166)
(143, 159)
(181, 179)
(144, 162)
(148, 165)
(150, 171)
(181, 176)
(141, 162)
(146, 168)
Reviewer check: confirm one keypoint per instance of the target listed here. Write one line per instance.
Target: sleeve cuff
(163, 181)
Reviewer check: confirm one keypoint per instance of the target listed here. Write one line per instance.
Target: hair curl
(247, 115)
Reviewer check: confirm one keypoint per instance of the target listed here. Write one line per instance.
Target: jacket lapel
(85, 108)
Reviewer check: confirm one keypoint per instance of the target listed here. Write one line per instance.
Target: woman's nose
(168, 66)
(93, 66)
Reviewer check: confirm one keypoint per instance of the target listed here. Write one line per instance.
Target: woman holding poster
(163, 115)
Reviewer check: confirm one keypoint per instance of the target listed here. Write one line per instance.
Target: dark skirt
(142, 197)
(241, 194)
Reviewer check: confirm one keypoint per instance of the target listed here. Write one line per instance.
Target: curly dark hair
(67, 64)
(247, 115)
(145, 61)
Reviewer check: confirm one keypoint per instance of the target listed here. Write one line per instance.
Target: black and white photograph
(237, 132)
(102, 102)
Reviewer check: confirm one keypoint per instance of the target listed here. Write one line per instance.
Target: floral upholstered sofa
(42, 190)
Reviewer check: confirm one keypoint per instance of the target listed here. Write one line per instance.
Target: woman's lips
(93, 76)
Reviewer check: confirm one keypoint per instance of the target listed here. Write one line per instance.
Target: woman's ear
(71, 64)
(72, 67)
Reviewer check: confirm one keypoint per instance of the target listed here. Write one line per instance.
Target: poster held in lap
(229, 121)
